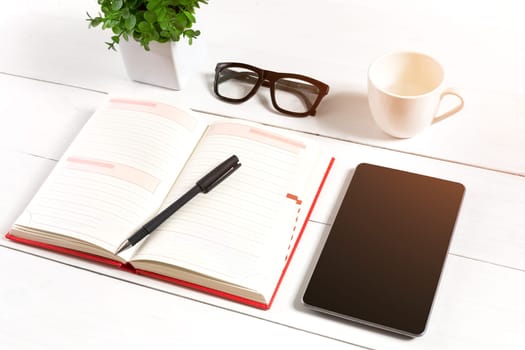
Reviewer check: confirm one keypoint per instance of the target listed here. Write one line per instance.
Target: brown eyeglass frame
(268, 78)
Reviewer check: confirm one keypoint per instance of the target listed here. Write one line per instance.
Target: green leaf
(125, 13)
(190, 33)
(117, 29)
(144, 27)
(152, 4)
(130, 22)
(95, 21)
(162, 13)
(180, 21)
(155, 36)
(164, 24)
(175, 36)
(111, 46)
(116, 5)
(189, 16)
(150, 16)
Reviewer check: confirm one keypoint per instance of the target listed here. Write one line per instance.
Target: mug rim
(412, 53)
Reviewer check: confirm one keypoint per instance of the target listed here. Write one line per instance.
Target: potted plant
(155, 38)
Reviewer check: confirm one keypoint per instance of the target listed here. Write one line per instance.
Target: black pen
(205, 185)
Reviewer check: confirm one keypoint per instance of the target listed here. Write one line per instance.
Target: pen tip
(125, 245)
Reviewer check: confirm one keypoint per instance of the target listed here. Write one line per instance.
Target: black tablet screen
(383, 257)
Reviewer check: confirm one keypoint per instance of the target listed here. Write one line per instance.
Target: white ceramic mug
(404, 93)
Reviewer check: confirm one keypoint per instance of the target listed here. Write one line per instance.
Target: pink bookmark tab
(90, 162)
(256, 134)
(159, 109)
(116, 170)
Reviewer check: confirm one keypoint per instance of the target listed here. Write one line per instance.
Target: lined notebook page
(242, 230)
(116, 173)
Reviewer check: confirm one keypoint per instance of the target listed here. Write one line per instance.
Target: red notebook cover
(128, 267)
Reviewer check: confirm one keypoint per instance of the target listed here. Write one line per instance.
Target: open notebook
(135, 157)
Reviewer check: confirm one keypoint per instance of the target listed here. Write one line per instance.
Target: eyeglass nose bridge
(266, 82)
(268, 78)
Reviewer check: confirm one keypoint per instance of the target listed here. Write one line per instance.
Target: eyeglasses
(292, 94)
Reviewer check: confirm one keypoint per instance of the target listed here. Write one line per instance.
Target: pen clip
(217, 175)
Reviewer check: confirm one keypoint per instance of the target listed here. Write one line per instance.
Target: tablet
(383, 257)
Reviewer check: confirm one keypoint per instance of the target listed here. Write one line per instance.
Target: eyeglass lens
(291, 94)
(236, 82)
(295, 95)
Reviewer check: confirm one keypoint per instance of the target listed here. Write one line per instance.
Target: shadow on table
(348, 114)
(343, 115)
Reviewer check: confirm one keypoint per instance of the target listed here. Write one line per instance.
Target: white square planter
(169, 65)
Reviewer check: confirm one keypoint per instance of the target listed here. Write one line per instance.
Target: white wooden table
(54, 72)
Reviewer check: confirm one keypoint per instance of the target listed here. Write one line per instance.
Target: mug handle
(449, 91)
